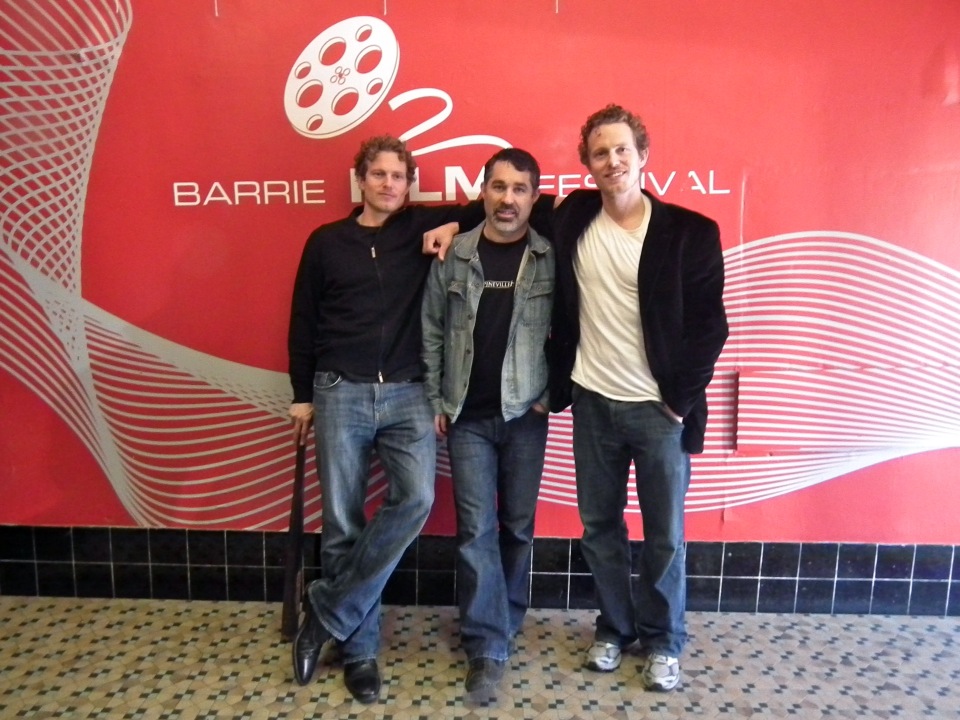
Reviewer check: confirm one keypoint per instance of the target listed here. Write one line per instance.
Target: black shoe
(306, 646)
(362, 679)
(483, 677)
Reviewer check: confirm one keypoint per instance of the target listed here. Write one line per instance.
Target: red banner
(163, 164)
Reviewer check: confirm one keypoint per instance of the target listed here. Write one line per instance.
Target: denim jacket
(450, 304)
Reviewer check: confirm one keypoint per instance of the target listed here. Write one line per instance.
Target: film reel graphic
(346, 72)
(341, 77)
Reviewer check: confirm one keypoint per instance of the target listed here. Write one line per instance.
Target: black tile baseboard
(780, 560)
(705, 559)
(742, 559)
(860, 561)
(777, 595)
(852, 597)
(932, 562)
(818, 560)
(838, 578)
(703, 593)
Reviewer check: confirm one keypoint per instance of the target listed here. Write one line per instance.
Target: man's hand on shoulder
(436, 241)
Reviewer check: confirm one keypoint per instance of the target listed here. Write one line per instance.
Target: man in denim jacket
(486, 316)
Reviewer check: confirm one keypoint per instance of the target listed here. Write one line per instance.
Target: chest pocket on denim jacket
(536, 309)
(458, 308)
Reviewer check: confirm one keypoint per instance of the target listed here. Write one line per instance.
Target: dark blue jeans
(358, 557)
(496, 468)
(607, 435)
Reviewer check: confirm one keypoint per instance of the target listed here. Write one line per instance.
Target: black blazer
(682, 317)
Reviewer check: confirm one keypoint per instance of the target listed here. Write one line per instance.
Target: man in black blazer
(638, 326)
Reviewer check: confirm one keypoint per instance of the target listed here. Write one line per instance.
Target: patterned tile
(175, 660)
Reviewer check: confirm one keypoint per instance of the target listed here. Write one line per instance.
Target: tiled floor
(132, 659)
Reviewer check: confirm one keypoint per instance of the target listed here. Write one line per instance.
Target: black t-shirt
(501, 265)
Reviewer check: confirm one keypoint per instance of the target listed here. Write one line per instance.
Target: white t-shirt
(611, 357)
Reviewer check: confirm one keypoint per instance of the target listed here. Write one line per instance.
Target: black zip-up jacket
(356, 299)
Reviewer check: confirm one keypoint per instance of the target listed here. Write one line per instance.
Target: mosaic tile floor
(160, 660)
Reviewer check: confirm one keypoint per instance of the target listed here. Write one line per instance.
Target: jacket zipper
(376, 267)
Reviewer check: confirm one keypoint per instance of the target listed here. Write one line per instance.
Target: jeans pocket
(665, 411)
(325, 379)
(575, 392)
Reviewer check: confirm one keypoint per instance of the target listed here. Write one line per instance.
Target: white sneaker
(603, 657)
(661, 672)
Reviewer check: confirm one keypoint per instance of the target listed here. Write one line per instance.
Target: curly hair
(613, 114)
(370, 148)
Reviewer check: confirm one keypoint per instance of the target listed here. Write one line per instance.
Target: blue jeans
(358, 556)
(496, 468)
(607, 435)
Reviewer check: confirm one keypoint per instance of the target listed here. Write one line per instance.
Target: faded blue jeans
(358, 557)
(496, 467)
(607, 435)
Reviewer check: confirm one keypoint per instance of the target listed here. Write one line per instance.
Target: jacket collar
(595, 204)
(465, 244)
(357, 210)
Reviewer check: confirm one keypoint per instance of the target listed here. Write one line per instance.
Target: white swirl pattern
(842, 351)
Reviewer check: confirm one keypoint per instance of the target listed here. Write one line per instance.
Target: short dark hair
(520, 159)
(607, 116)
(370, 148)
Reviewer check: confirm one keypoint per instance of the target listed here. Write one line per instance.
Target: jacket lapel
(654, 254)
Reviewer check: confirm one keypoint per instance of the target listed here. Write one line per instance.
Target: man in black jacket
(638, 325)
(354, 346)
